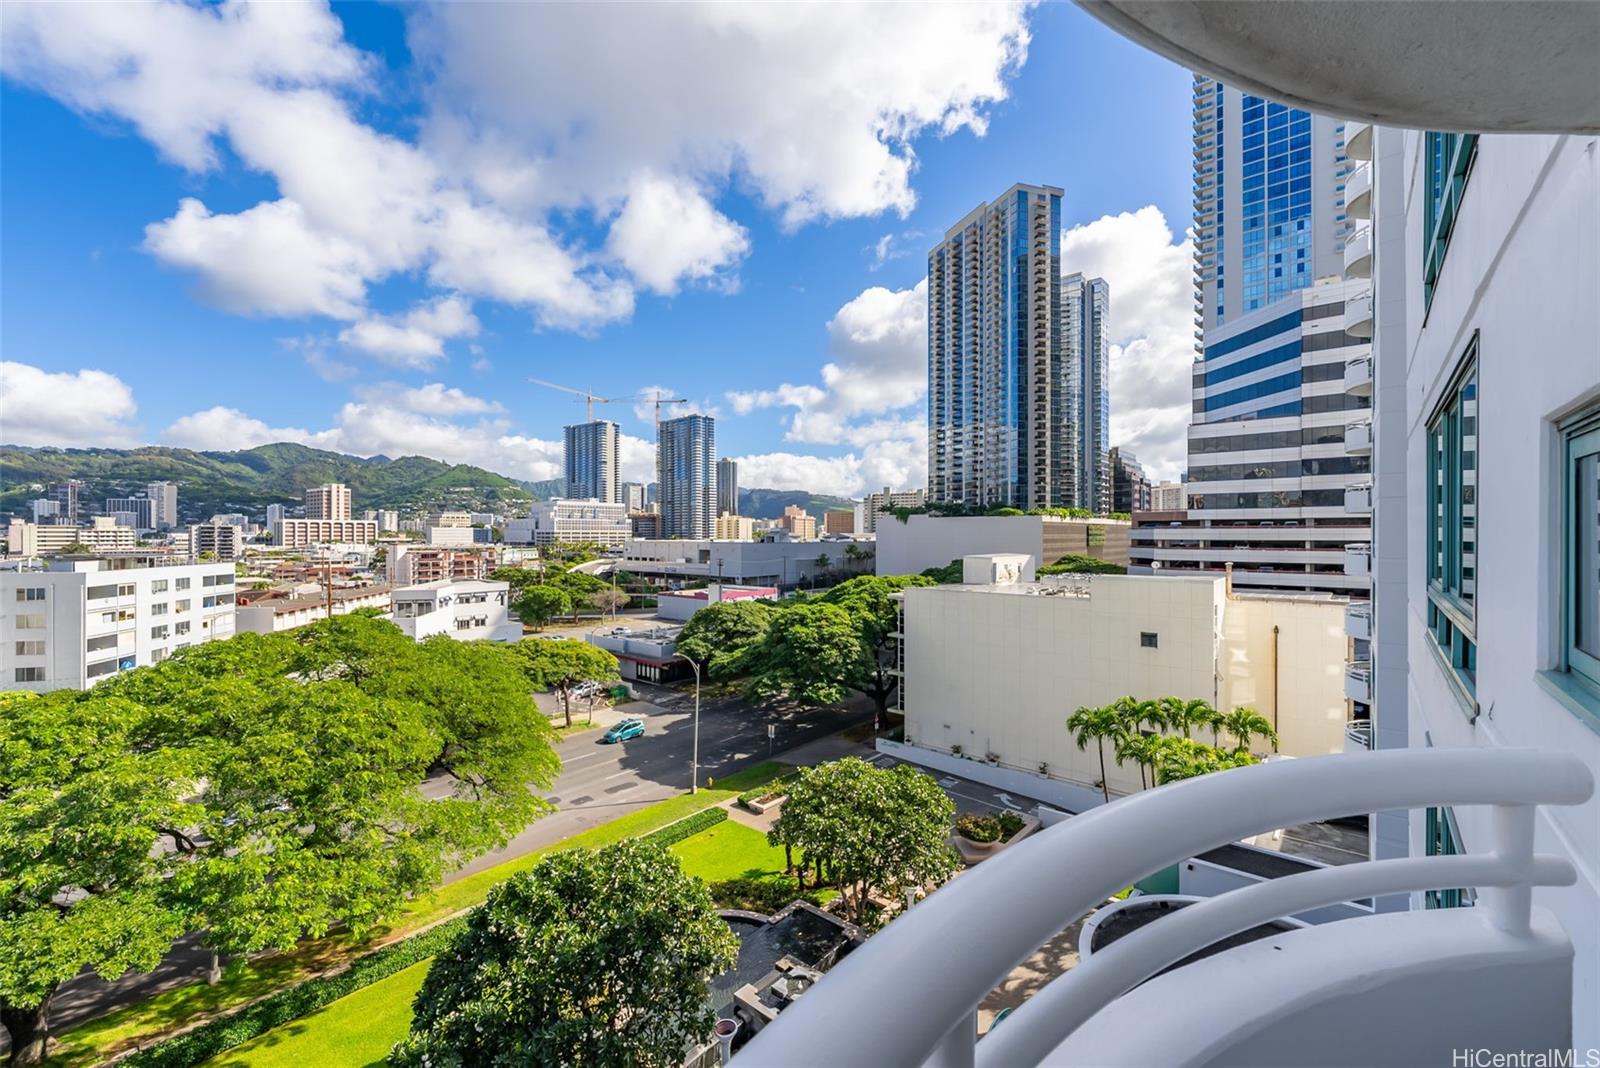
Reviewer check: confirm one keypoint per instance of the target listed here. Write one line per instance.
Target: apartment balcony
(1358, 736)
(1358, 314)
(1357, 555)
(1358, 499)
(1358, 620)
(1358, 438)
(1358, 139)
(1367, 990)
(1358, 253)
(1358, 681)
(1358, 376)
(1358, 192)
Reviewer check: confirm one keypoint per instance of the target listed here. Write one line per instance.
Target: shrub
(976, 828)
(208, 1040)
(759, 895)
(674, 833)
(776, 788)
(1010, 824)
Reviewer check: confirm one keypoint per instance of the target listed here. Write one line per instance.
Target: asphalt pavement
(597, 783)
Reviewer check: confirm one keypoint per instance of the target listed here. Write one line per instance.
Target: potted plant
(981, 833)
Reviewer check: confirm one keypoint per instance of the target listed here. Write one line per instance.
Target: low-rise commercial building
(570, 520)
(463, 609)
(993, 668)
(784, 564)
(449, 535)
(644, 655)
(84, 620)
(838, 521)
(299, 533)
(276, 611)
(925, 541)
(681, 604)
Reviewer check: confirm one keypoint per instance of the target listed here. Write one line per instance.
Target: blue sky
(365, 228)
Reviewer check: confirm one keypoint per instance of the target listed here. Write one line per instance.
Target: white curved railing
(909, 996)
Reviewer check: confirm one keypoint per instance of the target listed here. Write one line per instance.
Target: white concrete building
(224, 540)
(785, 564)
(164, 498)
(270, 614)
(464, 609)
(84, 620)
(1166, 497)
(104, 534)
(299, 533)
(993, 666)
(925, 541)
(454, 536)
(571, 520)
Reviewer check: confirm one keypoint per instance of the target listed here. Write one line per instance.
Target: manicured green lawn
(94, 1041)
(356, 1030)
(729, 851)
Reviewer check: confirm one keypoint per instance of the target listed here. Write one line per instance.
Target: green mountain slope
(250, 479)
(770, 503)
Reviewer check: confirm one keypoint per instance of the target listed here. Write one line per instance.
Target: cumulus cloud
(223, 429)
(415, 339)
(553, 178)
(1151, 328)
(65, 408)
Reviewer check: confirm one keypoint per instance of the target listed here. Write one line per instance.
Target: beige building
(925, 541)
(273, 612)
(103, 534)
(838, 521)
(328, 501)
(992, 668)
(1167, 497)
(299, 533)
(412, 564)
(874, 505)
(735, 528)
(798, 522)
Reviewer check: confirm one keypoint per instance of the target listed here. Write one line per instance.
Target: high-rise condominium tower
(592, 462)
(686, 460)
(727, 487)
(1008, 391)
(329, 501)
(164, 496)
(1082, 396)
(1269, 467)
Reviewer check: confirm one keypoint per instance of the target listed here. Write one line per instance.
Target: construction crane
(589, 397)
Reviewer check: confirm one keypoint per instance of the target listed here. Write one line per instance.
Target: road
(597, 783)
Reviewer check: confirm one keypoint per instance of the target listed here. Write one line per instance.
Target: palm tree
(1098, 724)
(1198, 713)
(1142, 749)
(1152, 714)
(1246, 724)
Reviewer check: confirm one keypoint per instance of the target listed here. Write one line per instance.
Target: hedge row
(673, 833)
(208, 1040)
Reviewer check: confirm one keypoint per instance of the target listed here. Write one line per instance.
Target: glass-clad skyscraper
(592, 470)
(1008, 392)
(686, 458)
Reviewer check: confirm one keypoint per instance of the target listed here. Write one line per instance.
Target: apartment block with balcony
(592, 467)
(84, 620)
(873, 506)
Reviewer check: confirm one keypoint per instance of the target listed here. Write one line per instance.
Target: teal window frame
(1453, 433)
(1580, 440)
(1448, 160)
(1442, 838)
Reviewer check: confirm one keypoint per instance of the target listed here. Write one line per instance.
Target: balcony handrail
(963, 940)
(1048, 1018)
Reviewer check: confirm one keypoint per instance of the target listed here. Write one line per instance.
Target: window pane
(1469, 488)
(1586, 555)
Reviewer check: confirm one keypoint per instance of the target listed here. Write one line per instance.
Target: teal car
(628, 728)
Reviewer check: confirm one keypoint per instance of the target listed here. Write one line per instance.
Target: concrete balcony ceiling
(1494, 66)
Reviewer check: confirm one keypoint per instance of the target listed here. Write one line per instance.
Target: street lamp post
(694, 763)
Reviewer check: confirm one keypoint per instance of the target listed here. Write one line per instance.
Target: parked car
(628, 728)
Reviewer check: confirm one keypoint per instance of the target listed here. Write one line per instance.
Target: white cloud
(891, 247)
(224, 429)
(668, 233)
(644, 404)
(415, 339)
(899, 463)
(435, 398)
(555, 178)
(1151, 327)
(74, 409)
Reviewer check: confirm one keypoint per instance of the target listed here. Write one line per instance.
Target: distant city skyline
(391, 296)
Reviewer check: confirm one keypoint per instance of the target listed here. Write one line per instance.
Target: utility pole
(327, 589)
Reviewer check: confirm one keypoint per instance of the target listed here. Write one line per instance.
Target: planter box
(977, 852)
(762, 807)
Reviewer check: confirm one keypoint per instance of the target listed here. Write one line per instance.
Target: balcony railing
(909, 996)
(1357, 735)
(1358, 681)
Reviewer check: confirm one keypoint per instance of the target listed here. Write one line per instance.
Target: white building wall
(1521, 271)
(1294, 677)
(924, 541)
(465, 610)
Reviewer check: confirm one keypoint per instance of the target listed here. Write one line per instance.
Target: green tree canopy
(1078, 564)
(873, 831)
(541, 603)
(810, 654)
(559, 665)
(592, 958)
(719, 635)
(952, 572)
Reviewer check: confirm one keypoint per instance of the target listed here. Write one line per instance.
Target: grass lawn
(94, 1041)
(729, 851)
(355, 1030)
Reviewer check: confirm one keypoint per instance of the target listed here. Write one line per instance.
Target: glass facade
(1275, 198)
(1452, 525)
(1448, 160)
(1581, 572)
